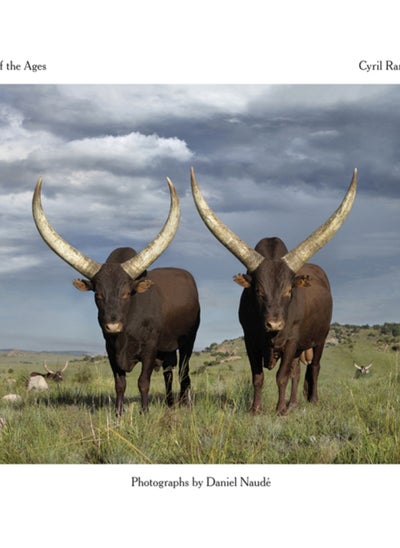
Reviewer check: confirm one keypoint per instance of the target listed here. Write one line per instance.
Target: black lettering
(391, 66)
(33, 67)
(12, 66)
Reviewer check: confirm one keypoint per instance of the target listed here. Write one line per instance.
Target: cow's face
(272, 283)
(362, 369)
(113, 290)
(57, 376)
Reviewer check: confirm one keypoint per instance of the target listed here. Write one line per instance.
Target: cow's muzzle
(114, 327)
(274, 325)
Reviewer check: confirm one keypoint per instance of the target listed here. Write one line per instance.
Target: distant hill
(14, 352)
(384, 338)
(380, 338)
(14, 356)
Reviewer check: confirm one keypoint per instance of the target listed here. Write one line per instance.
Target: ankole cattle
(286, 304)
(362, 369)
(37, 381)
(50, 374)
(145, 316)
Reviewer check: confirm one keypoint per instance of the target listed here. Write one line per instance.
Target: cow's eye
(288, 292)
(259, 292)
(99, 296)
(126, 295)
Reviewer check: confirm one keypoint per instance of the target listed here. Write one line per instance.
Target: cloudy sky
(271, 161)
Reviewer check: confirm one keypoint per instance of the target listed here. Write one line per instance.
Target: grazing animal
(12, 398)
(52, 375)
(362, 369)
(286, 305)
(37, 382)
(145, 316)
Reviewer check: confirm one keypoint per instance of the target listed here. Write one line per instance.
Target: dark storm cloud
(299, 142)
(271, 160)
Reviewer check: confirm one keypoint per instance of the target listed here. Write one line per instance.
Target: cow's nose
(274, 325)
(114, 327)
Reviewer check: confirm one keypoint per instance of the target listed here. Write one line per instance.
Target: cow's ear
(143, 285)
(302, 281)
(242, 279)
(83, 285)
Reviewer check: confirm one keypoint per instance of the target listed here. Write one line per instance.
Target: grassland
(355, 421)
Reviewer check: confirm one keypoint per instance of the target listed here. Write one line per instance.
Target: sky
(272, 160)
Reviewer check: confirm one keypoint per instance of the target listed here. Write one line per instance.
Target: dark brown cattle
(144, 316)
(282, 320)
(286, 304)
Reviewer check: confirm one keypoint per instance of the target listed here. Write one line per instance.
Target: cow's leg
(257, 375)
(169, 397)
(120, 386)
(144, 381)
(311, 377)
(295, 375)
(169, 362)
(185, 394)
(256, 356)
(119, 377)
(185, 351)
(283, 375)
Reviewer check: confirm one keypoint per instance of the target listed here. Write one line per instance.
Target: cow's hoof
(186, 398)
(292, 405)
(254, 411)
(281, 412)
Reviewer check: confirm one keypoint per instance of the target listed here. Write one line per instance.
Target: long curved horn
(47, 369)
(294, 259)
(65, 367)
(80, 262)
(138, 264)
(298, 256)
(89, 268)
(246, 255)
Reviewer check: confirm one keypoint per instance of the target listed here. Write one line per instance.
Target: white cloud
(128, 151)
(12, 261)
(16, 142)
(160, 102)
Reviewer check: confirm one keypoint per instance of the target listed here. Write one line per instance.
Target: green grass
(355, 421)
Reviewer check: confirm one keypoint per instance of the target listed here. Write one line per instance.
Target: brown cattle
(144, 316)
(286, 304)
